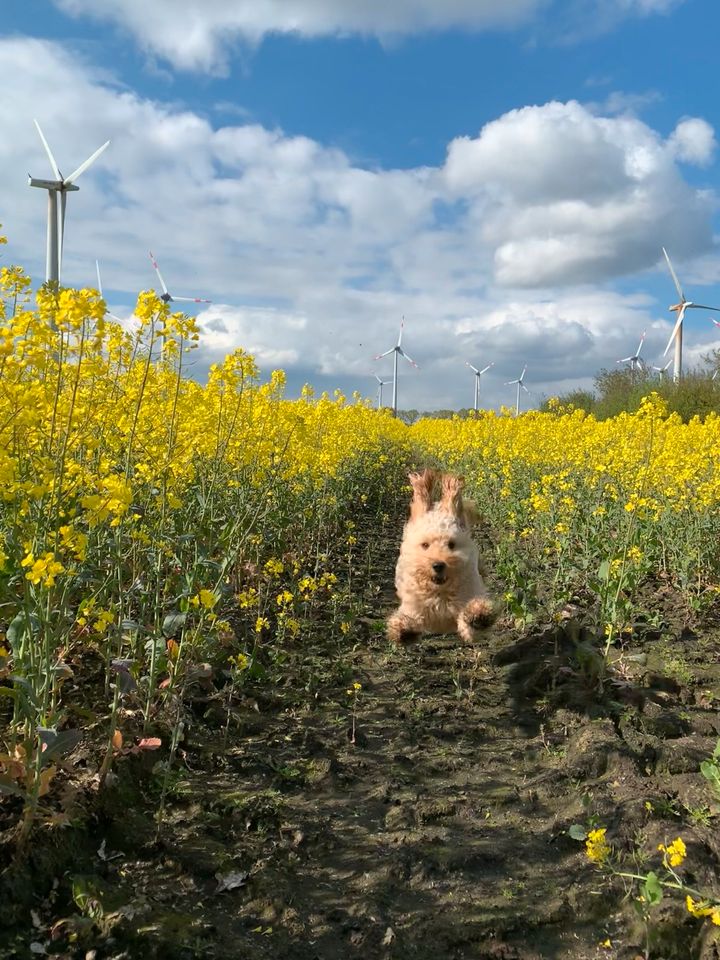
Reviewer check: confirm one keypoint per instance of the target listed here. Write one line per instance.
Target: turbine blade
(716, 322)
(701, 306)
(402, 324)
(468, 364)
(485, 369)
(191, 300)
(381, 355)
(509, 383)
(48, 151)
(642, 340)
(157, 271)
(83, 166)
(409, 359)
(678, 324)
(674, 275)
(524, 388)
(97, 268)
(625, 360)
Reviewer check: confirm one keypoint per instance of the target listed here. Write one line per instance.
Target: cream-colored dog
(437, 575)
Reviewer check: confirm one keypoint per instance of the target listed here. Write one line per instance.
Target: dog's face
(436, 545)
(436, 549)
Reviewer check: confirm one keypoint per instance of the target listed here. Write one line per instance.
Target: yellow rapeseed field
(163, 523)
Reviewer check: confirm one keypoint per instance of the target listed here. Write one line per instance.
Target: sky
(503, 176)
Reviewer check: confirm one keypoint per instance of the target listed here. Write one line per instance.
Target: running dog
(437, 576)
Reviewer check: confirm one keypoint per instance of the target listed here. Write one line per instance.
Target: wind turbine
(62, 186)
(663, 370)
(107, 312)
(680, 309)
(381, 384)
(519, 383)
(166, 296)
(397, 350)
(635, 361)
(478, 374)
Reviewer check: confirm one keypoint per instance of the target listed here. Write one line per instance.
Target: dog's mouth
(439, 578)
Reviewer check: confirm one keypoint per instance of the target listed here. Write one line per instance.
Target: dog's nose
(438, 566)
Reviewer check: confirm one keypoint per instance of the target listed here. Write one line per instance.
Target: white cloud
(199, 36)
(312, 260)
(568, 196)
(693, 141)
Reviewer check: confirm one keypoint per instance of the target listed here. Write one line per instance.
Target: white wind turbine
(166, 295)
(635, 361)
(680, 309)
(100, 291)
(478, 374)
(397, 351)
(381, 384)
(56, 217)
(520, 384)
(662, 370)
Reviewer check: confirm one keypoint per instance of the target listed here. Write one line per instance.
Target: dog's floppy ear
(451, 500)
(423, 485)
(472, 514)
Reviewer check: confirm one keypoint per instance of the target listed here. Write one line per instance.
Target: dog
(437, 576)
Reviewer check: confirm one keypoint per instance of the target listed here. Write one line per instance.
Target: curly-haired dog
(437, 575)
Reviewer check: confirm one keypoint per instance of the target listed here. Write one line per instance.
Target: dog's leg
(477, 615)
(402, 628)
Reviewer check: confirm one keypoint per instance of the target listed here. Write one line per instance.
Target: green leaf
(58, 743)
(173, 623)
(23, 623)
(652, 889)
(604, 570)
(577, 832)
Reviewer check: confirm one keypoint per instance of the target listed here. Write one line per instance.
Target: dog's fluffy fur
(437, 576)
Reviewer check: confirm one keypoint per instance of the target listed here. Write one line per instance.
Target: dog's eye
(451, 544)
(425, 545)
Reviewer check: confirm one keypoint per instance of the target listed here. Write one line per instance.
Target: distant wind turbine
(166, 296)
(397, 351)
(62, 186)
(478, 374)
(381, 384)
(100, 291)
(520, 384)
(635, 361)
(662, 370)
(680, 309)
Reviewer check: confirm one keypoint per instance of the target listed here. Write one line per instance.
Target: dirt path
(440, 833)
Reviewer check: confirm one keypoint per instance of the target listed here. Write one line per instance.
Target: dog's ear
(451, 500)
(472, 514)
(423, 485)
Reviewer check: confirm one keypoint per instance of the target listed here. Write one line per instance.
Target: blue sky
(319, 169)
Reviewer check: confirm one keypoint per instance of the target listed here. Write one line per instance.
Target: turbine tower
(519, 383)
(478, 374)
(60, 186)
(381, 384)
(397, 351)
(680, 309)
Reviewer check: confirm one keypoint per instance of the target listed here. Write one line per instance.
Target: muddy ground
(439, 830)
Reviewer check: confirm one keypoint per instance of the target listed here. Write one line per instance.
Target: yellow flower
(596, 847)
(675, 853)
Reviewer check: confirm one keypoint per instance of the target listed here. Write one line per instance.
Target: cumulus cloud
(693, 141)
(199, 36)
(312, 259)
(569, 196)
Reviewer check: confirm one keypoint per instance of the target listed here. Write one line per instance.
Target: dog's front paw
(480, 614)
(401, 629)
